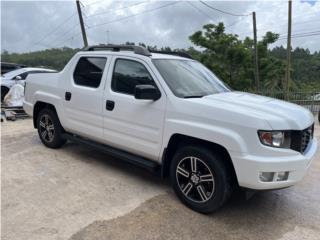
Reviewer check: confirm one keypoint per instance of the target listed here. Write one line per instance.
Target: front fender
(228, 138)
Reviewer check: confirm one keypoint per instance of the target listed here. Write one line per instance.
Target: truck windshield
(188, 78)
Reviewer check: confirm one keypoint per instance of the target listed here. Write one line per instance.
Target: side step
(125, 156)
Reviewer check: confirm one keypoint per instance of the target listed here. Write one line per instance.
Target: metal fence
(309, 100)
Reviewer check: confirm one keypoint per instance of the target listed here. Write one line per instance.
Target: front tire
(200, 179)
(49, 129)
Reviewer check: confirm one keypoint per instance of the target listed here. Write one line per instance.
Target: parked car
(18, 76)
(8, 67)
(316, 97)
(172, 115)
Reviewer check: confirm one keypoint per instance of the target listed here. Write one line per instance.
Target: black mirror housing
(147, 92)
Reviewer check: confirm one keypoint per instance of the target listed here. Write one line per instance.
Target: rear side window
(89, 71)
(127, 74)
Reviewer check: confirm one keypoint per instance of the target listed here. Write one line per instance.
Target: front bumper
(248, 168)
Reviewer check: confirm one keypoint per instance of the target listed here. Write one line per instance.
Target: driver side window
(127, 74)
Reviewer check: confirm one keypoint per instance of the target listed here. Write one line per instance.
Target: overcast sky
(34, 25)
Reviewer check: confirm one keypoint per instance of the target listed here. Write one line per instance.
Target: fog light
(266, 176)
(282, 176)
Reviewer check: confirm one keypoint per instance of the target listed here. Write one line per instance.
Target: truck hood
(280, 115)
(5, 81)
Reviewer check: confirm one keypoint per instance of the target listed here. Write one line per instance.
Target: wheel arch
(38, 107)
(179, 140)
(6, 89)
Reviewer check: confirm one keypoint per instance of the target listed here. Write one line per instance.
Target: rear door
(83, 97)
(131, 124)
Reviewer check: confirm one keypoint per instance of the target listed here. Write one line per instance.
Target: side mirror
(147, 92)
(18, 78)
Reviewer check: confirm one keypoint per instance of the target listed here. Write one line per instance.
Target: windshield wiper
(193, 96)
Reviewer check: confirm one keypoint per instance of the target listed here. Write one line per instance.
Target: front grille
(301, 139)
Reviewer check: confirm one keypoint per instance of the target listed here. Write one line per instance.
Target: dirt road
(77, 193)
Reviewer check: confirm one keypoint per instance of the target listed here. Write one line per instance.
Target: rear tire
(49, 129)
(200, 179)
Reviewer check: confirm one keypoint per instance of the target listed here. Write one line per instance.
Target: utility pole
(83, 30)
(288, 49)
(256, 61)
(108, 39)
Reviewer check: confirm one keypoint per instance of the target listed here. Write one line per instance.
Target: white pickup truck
(170, 114)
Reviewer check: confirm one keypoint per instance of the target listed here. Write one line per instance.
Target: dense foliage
(55, 58)
(305, 67)
(225, 54)
(233, 60)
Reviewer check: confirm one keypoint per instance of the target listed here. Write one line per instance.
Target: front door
(132, 124)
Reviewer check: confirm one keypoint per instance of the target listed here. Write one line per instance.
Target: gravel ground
(77, 193)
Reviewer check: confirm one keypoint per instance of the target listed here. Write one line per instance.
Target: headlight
(280, 139)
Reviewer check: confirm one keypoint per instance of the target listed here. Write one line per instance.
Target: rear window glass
(89, 71)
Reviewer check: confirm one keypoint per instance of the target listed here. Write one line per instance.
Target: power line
(225, 12)
(133, 15)
(207, 15)
(305, 34)
(297, 33)
(70, 38)
(232, 24)
(260, 30)
(55, 29)
(75, 25)
(81, 4)
(71, 29)
(115, 20)
(200, 10)
(63, 40)
(300, 36)
(56, 39)
(293, 24)
(301, 33)
(309, 35)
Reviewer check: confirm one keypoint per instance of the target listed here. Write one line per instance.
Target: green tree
(232, 59)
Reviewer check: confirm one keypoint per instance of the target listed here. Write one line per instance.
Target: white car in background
(316, 97)
(18, 76)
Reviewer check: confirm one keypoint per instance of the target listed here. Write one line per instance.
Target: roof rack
(180, 54)
(136, 49)
(117, 48)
